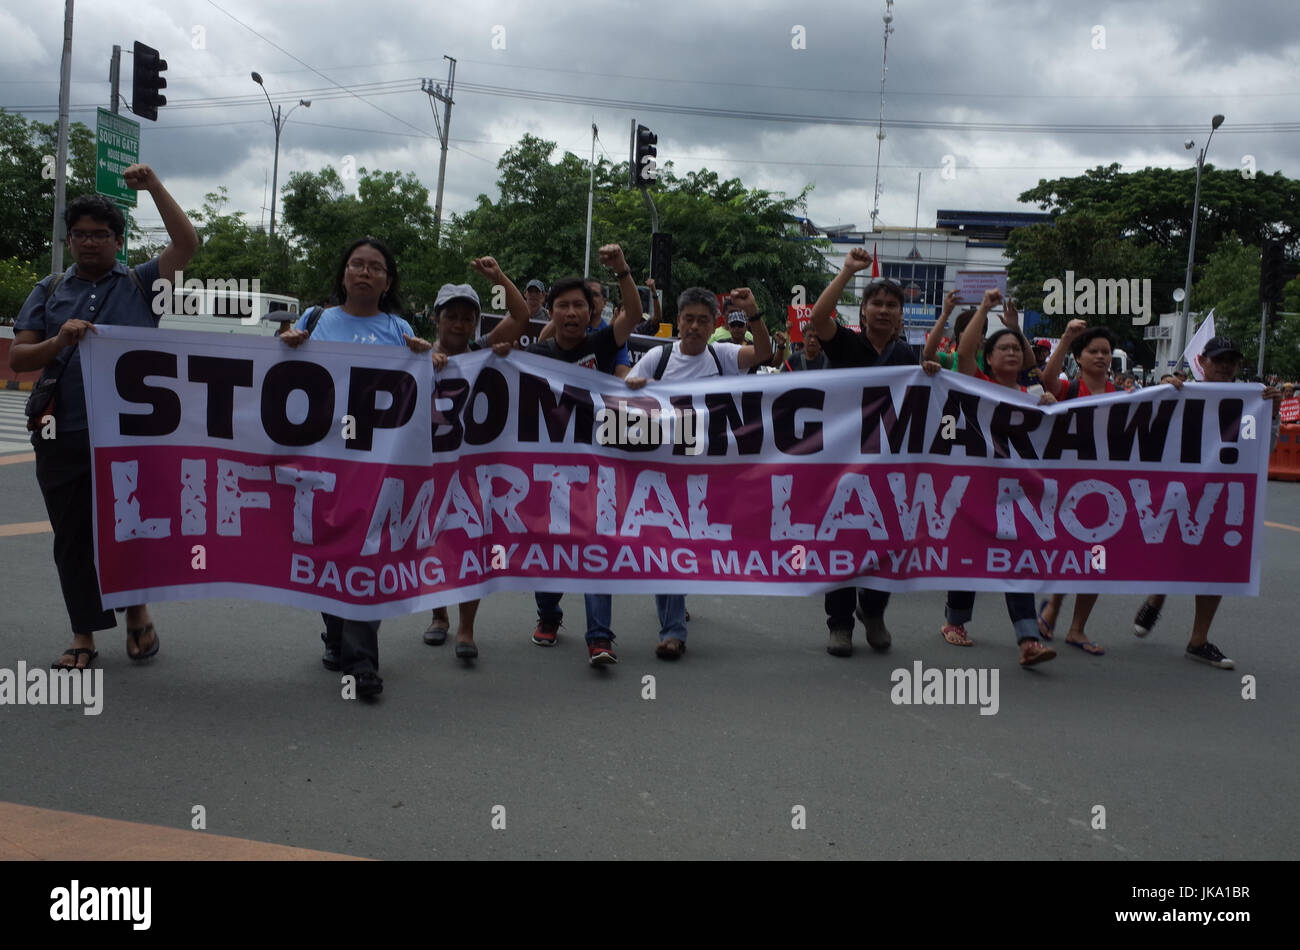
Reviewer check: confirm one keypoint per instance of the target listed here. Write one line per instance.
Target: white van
(226, 307)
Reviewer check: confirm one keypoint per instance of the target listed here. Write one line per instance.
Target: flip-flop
(956, 635)
(76, 652)
(136, 634)
(1044, 630)
(1087, 646)
(1041, 655)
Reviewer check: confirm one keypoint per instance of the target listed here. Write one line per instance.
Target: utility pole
(435, 91)
(591, 188)
(61, 160)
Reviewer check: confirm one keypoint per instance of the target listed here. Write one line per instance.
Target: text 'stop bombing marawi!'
(356, 480)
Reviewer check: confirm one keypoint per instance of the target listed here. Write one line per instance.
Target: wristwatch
(622, 274)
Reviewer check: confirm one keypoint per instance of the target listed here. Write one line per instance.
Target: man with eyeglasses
(58, 314)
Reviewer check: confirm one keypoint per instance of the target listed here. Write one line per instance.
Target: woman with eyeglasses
(366, 310)
(1004, 358)
(457, 310)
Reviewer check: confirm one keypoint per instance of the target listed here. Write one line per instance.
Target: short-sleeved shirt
(723, 335)
(624, 357)
(989, 379)
(597, 350)
(112, 300)
(949, 360)
(1083, 389)
(338, 326)
(681, 366)
(800, 361)
(848, 349)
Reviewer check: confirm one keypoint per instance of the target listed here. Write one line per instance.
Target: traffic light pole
(114, 77)
(1263, 327)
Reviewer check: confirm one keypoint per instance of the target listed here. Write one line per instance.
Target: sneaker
(331, 658)
(547, 632)
(877, 633)
(1207, 652)
(600, 652)
(1146, 619)
(841, 643)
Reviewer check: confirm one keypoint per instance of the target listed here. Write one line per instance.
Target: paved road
(237, 715)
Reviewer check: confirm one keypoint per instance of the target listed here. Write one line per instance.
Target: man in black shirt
(879, 344)
(570, 304)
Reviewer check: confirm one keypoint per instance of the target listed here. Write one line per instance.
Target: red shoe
(601, 652)
(547, 632)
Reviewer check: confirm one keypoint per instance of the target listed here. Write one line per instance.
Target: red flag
(875, 262)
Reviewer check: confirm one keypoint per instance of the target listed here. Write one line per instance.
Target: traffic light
(1271, 276)
(146, 81)
(643, 170)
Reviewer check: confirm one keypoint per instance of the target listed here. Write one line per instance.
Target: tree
(1230, 284)
(1136, 225)
(324, 219)
(17, 278)
(724, 235)
(27, 151)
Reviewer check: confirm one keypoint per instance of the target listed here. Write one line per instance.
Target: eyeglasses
(358, 266)
(90, 237)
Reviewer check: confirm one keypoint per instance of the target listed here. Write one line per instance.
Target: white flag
(1196, 346)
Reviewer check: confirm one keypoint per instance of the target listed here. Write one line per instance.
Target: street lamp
(1181, 335)
(278, 121)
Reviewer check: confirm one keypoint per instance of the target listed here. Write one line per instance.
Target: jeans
(839, 605)
(600, 614)
(1020, 607)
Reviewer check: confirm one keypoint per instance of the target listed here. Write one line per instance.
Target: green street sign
(117, 145)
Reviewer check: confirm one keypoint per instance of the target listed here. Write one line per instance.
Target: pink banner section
(353, 479)
(377, 540)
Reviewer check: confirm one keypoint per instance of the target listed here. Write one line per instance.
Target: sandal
(133, 636)
(955, 634)
(1087, 646)
(76, 653)
(1037, 653)
(1044, 630)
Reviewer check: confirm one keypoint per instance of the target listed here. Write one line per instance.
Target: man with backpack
(694, 357)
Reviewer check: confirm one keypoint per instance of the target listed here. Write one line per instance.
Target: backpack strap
(716, 362)
(665, 353)
(313, 318)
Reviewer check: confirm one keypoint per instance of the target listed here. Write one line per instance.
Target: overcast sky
(1169, 63)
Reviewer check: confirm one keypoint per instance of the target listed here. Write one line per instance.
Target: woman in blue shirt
(366, 289)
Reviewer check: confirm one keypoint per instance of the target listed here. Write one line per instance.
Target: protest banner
(354, 479)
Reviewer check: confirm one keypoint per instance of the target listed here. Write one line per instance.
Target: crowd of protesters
(727, 340)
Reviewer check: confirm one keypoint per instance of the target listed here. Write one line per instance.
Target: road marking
(1284, 527)
(24, 527)
(11, 459)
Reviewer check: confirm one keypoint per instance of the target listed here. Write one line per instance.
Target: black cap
(1220, 346)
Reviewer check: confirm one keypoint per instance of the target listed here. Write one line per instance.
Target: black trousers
(840, 602)
(357, 642)
(63, 472)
